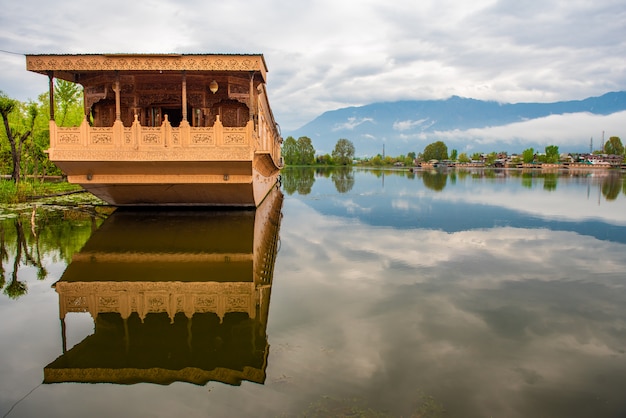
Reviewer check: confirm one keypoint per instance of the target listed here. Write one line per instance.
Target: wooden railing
(142, 138)
(139, 137)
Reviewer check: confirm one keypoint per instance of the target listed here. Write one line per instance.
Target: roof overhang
(70, 67)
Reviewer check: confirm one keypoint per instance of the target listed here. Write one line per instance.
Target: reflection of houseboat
(175, 296)
(167, 129)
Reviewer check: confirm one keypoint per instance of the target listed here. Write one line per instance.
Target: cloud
(362, 52)
(573, 131)
(351, 123)
(406, 125)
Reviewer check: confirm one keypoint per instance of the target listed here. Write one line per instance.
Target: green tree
(325, 159)
(376, 160)
(453, 155)
(290, 150)
(463, 158)
(477, 156)
(306, 152)
(35, 160)
(552, 154)
(491, 159)
(68, 98)
(343, 152)
(436, 151)
(528, 155)
(614, 146)
(18, 126)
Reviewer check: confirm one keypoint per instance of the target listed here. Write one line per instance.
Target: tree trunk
(15, 175)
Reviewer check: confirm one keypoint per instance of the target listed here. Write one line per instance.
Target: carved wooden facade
(159, 127)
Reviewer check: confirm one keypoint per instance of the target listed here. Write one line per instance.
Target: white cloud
(351, 123)
(411, 124)
(569, 130)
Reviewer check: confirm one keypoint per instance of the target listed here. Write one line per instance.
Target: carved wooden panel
(145, 62)
(69, 138)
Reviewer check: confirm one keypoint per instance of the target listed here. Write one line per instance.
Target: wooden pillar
(251, 101)
(184, 95)
(51, 87)
(118, 107)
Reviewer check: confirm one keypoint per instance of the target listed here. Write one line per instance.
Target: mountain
(462, 123)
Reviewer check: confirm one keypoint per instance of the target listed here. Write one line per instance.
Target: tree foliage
(436, 151)
(614, 146)
(552, 154)
(325, 159)
(528, 155)
(298, 152)
(343, 152)
(491, 158)
(18, 121)
(289, 150)
(68, 100)
(306, 152)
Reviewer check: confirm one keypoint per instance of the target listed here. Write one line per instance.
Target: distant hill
(406, 126)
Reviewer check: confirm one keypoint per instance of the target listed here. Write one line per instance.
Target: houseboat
(167, 129)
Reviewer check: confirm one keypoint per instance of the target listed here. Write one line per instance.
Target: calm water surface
(399, 294)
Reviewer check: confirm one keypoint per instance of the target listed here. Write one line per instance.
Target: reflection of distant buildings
(175, 296)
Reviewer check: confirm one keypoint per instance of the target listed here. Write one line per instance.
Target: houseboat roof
(70, 66)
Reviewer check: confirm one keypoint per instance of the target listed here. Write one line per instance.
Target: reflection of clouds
(501, 322)
(352, 207)
(570, 201)
(401, 204)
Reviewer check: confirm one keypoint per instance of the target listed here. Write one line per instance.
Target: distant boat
(167, 129)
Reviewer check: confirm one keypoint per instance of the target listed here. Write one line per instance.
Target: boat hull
(234, 184)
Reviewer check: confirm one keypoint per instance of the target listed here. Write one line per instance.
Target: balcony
(164, 143)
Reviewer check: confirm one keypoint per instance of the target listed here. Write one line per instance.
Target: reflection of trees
(4, 256)
(527, 180)
(15, 288)
(343, 178)
(452, 175)
(62, 232)
(611, 186)
(324, 172)
(298, 179)
(550, 181)
(435, 180)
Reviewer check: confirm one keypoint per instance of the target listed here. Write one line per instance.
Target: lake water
(351, 293)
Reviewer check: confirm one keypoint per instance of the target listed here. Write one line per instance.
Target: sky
(327, 54)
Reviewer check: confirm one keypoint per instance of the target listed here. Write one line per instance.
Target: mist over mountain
(470, 125)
